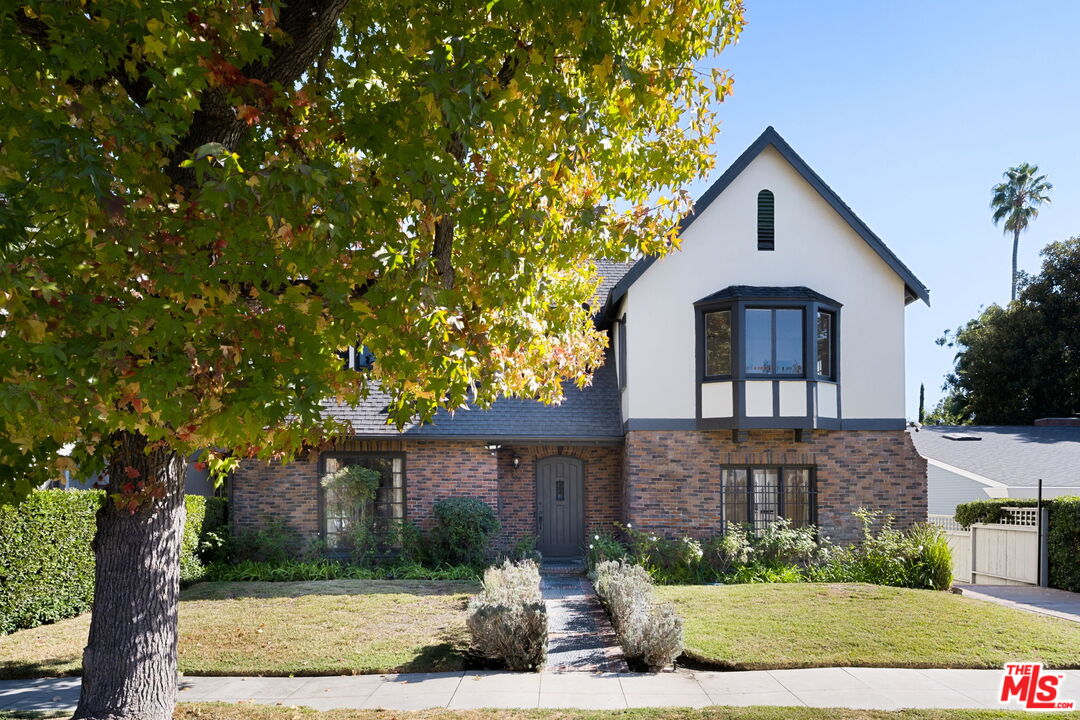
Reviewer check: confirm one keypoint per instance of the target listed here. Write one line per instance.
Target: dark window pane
(824, 344)
(789, 342)
(766, 497)
(759, 341)
(735, 489)
(797, 502)
(560, 490)
(718, 343)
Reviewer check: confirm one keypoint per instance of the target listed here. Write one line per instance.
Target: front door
(559, 506)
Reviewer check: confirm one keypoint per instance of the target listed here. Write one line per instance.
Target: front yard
(796, 625)
(328, 627)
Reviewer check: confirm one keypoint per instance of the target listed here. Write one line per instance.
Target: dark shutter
(766, 233)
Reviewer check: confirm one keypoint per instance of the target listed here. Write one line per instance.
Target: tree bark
(1016, 244)
(129, 663)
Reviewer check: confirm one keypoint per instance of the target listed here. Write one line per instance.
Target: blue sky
(911, 111)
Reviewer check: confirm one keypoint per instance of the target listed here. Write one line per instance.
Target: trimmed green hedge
(47, 564)
(1063, 537)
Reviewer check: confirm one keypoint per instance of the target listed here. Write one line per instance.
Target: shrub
(46, 564)
(919, 558)
(46, 558)
(650, 634)
(508, 619)
(324, 569)
(1063, 537)
(463, 530)
(274, 541)
(603, 547)
(205, 519)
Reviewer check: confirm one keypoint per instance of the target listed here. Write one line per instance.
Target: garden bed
(335, 627)
(776, 626)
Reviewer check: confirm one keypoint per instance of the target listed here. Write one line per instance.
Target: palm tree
(1017, 201)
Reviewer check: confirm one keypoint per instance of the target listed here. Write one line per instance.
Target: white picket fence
(1002, 553)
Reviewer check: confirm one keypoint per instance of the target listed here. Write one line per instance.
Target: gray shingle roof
(752, 291)
(1014, 455)
(589, 414)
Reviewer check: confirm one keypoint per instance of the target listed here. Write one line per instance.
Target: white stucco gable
(820, 245)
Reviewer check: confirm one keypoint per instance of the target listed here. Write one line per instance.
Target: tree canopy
(1016, 202)
(1019, 363)
(202, 203)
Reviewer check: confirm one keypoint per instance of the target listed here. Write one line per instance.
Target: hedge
(1063, 537)
(46, 561)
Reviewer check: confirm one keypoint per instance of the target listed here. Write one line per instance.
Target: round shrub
(463, 530)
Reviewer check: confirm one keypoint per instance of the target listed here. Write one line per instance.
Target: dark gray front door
(559, 506)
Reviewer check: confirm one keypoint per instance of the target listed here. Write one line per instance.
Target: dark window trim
(738, 307)
(621, 330)
(750, 493)
(345, 454)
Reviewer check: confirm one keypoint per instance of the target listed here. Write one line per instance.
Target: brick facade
(434, 469)
(665, 481)
(672, 476)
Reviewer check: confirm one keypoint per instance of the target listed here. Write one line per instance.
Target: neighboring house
(976, 462)
(756, 373)
(196, 481)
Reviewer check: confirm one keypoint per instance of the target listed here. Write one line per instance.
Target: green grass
(327, 627)
(818, 625)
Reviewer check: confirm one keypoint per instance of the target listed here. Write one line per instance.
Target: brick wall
(434, 469)
(672, 477)
(602, 482)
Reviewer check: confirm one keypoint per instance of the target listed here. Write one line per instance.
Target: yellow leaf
(196, 305)
(154, 25)
(35, 330)
(154, 46)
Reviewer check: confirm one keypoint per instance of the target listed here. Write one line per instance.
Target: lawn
(816, 625)
(326, 627)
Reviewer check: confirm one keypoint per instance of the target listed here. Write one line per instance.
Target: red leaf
(131, 472)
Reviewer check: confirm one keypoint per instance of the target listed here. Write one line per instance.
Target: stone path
(872, 688)
(580, 636)
(1044, 601)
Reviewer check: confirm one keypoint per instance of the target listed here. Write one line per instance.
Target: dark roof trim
(914, 289)
(733, 292)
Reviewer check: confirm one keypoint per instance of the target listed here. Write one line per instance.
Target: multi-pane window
(825, 344)
(342, 513)
(718, 342)
(758, 495)
(774, 341)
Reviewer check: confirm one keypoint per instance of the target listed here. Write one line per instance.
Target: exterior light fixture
(516, 460)
(493, 448)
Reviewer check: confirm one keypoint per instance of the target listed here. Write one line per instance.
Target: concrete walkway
(1044, 601)
(872, 688)
(580, 636)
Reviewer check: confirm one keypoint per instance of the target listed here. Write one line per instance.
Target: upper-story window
(754, 333)
(824, 337)
(766, 228)
(718, 342)
(774, 341)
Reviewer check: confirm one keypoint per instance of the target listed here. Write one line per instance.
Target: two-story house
(756, 373)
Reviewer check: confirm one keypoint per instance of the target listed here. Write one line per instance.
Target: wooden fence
(1002, 553)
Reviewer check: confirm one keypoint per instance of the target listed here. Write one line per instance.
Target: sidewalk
(869, 688)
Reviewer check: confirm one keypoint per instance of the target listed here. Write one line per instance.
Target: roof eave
(914, 289)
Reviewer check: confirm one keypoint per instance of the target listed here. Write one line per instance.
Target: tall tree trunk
(129, 663)
(1016, 244)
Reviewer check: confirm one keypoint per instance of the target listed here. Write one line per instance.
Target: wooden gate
(1001, 553)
